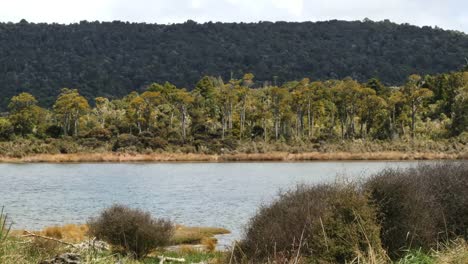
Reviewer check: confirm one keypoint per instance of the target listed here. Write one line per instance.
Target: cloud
(449, 14)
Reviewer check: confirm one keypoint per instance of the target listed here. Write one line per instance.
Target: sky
(447, 14)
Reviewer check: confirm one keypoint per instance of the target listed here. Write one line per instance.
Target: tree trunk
(184, 133)
(413, 119)
(309, 121)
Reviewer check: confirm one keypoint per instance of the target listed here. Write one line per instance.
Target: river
(195, 194)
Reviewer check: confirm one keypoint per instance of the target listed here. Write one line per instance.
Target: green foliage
(24, 115)
(126, 141)
(416, 257)
(99, 134)
(111, 58)
(219, 116)
(6, 129)
(69, 107)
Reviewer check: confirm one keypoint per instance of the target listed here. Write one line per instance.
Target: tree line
(111, 59)
(429, 107)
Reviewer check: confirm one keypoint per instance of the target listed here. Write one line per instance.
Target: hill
(112, 58)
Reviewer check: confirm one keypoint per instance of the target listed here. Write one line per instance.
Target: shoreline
(111, 157)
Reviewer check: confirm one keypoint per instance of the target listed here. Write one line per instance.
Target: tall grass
(5, 226)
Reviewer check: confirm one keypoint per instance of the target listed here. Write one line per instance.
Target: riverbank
(238, 157)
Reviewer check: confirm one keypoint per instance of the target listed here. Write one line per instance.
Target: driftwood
(29, 234)
(163, 258)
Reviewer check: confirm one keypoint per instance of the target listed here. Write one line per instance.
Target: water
(194, 194)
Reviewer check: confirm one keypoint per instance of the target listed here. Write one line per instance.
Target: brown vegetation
(198, 157)
(421, 207)
(131, 230)
(397, 212)
(195, 235)
(320, 224)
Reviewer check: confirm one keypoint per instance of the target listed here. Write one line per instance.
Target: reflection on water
(196, 194)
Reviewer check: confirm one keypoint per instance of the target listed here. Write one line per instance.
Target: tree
(68, 108)
(414, 95)
(6, 129)
(394, 100)
(102, 110)
(24, 113)
(280, 100)
(346, 97)
(460, 110)
(182, 100)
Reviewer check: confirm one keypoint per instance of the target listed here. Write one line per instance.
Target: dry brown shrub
(133, 230)
(323, 223)
(421, 206)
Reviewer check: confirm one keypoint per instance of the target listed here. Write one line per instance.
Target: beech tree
(414, 95)
(68, 108)
(24, 113)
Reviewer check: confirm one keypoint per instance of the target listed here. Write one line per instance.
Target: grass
(183, 235)
(199, 157)
(196, 235)
(4, 225)
(17, 249)
(23, 251)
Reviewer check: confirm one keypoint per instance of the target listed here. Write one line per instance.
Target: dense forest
(110, 59)
(220, 115)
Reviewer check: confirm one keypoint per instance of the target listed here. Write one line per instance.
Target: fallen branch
(163, 258)
(29, 234)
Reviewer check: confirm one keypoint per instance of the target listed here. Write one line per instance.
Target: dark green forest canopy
(113, 58)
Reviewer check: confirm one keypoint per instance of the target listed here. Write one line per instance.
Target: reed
(5, 227)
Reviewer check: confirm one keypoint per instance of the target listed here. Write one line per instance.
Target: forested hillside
(113, 58)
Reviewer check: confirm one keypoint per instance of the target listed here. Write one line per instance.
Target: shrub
(230, 143)
(6, 129)
(66, 145)
(54, 131)
(133, 230)
(92, 143)
(421, 206)
(99, 134)
(324, 224)
(126, 141)
(154, 142)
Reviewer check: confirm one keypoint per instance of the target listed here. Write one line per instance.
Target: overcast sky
(448, 14)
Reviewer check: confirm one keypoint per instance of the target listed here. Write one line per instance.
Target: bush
(54, 131)
(99, 134)
(134, 231)
(66, 145)
(125, 141)
(421, 206)
(91, 143)
(6, 129)
(154, 142)
(323, 224)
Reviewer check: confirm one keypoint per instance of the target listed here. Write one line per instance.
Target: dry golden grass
(453, 253)
(183, 234)
(71, 233)
(209, 243)
(196, 157)
(195, 235)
